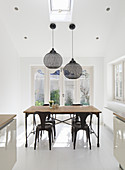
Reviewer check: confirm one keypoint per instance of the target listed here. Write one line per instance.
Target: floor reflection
(8, 151)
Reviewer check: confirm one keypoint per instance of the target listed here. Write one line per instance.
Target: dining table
(62, 110)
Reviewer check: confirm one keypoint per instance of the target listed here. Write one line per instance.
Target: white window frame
(33, 72)
(60, 82)
(119, 99)
(60, 15)
(60, 7)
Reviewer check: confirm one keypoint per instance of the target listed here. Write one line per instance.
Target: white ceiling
(32, 21)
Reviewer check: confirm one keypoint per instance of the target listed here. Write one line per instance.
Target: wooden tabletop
(120, 116)
(63, 109)
(5, 118)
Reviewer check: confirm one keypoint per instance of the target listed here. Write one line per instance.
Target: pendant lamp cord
(72, 43)
(52, 38)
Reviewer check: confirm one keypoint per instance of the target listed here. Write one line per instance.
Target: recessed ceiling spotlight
(97, 38)
(25, 38)
(16, 8)
(108, 9)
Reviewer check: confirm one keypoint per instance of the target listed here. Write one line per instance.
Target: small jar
(51, 102)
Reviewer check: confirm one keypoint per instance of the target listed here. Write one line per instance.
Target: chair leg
(87, 137)
(54, 129)
(34, 121)
(88, 131)
(36, 138)
(52, 136)
(72, 133)
(49, 133)
(74, 136)
(90, 125)
(41, 134)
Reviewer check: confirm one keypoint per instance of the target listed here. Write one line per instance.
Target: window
(60, 5)
(118, 81)
(53, 85)
(60, 10)
(37, 85)
(39, 88)
(84, 88)
(69, 91)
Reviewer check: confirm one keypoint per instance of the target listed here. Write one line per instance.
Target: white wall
(116, 41)
(9, 74)
(115, 50)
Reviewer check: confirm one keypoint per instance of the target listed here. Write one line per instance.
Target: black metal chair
(77, 119)
(43, 126)
(81, 125)
(51, 120)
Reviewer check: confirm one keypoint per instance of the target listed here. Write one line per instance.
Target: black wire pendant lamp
(52, 60)
(72, 70)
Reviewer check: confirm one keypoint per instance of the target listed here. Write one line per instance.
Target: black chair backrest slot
(42, 116)
(77, 104)
(46, 104)
(83, 117)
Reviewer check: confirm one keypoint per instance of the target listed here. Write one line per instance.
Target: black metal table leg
(34, 122)
(98, 132)
(26, 115)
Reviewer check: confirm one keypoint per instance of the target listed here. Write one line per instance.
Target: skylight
(60, 5)
(60, 10)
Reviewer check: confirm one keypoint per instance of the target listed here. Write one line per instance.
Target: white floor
(62, 156)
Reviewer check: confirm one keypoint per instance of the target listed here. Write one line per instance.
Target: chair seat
(47, 126)
(79, 126)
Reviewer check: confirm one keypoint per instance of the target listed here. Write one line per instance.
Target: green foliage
(69, 100)
(84, 103)
(85, 100)
(39, 103)
(55, 96)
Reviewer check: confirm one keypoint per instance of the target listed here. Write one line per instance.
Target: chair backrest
(42, 116)
(46, 104)
(77, 104)
(83, 117)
